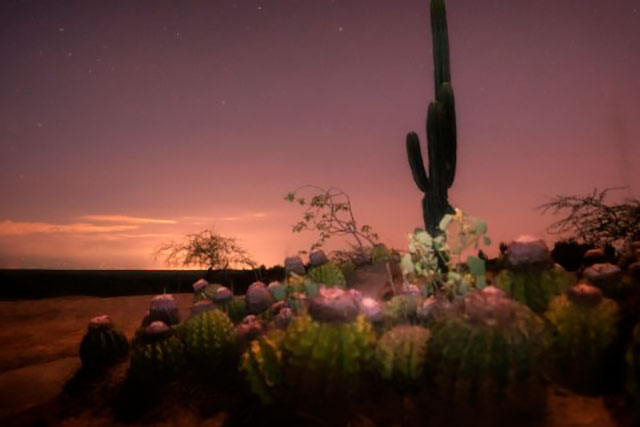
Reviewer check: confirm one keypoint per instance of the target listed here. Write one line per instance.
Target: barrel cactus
(261, 366)
(163, 308)
(535, 285)
(327, 274)
(236, 308)
(326, 358)
(401, 353)
(208, 338)
(486, 349)
(402, 309)
(102, 345)
(156, 353)
(585, 331)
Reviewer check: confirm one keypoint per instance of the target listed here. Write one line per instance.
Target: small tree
(593, 221)
(206, 249)
(328, 211)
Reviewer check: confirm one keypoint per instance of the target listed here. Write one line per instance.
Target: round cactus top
(201, 307)
(333, 305)
(200, 285)
(256, 285)
(222, 294)
(157, 330)
(163, 301)
(294, 264)
(100, 323)
(492, 307)
(585, 295)
(371, 308)
(528, 250)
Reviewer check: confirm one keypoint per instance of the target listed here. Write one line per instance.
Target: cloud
(12, 228)
(128, 219)
(198, 220)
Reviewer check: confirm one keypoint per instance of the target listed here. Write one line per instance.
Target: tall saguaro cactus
(441, 131)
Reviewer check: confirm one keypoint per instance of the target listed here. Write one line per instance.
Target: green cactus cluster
(261, 365)
(154, 360)
(401, 354)
(208, 338)
(485, 349)
(585, 331)
(328, 274)
(103, 347)
(535, 286)
(401, 309)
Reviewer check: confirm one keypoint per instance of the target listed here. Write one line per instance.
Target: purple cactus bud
(156, 331)
(333, 305)
(200, 286)
(294, 264)
(283, 318)
(585, 295)
(165, 308)
(317, 258)
(372, 309)
(258, 298)
(249, 329)
(222, 295)
(433, 308)
(100, 323)
(201, 307)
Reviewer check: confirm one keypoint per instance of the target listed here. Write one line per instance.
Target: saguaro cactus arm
(415, 161)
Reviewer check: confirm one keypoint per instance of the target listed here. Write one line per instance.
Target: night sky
(124, 124)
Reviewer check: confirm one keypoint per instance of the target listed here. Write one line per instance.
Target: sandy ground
(39, 341)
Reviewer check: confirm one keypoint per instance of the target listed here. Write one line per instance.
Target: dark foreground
(41, 384)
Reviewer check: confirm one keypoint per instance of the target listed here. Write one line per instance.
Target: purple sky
(124, 124)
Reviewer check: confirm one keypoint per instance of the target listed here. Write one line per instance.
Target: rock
(317, 258)
(373, 280)
(100, 323)
(585, 295)
(200, 286)
(222, 295)
(594, 256)
(293, 264)
(333, 305)
(201, 307)
(164, 308)
(258, 298)
(527, 251)
(605, 276)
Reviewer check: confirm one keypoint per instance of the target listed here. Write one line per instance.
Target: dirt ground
(39, 341)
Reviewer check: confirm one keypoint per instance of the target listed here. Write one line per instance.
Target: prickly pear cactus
(400, 354)
(585, 329)
(208, 338)
(327, 274)
(261, 366)
(156, 353)
(326, 358)
(401, 309)
(102, 345)
(534, 286)
(486, 349)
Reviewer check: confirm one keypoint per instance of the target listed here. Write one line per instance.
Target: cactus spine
(441, 131)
